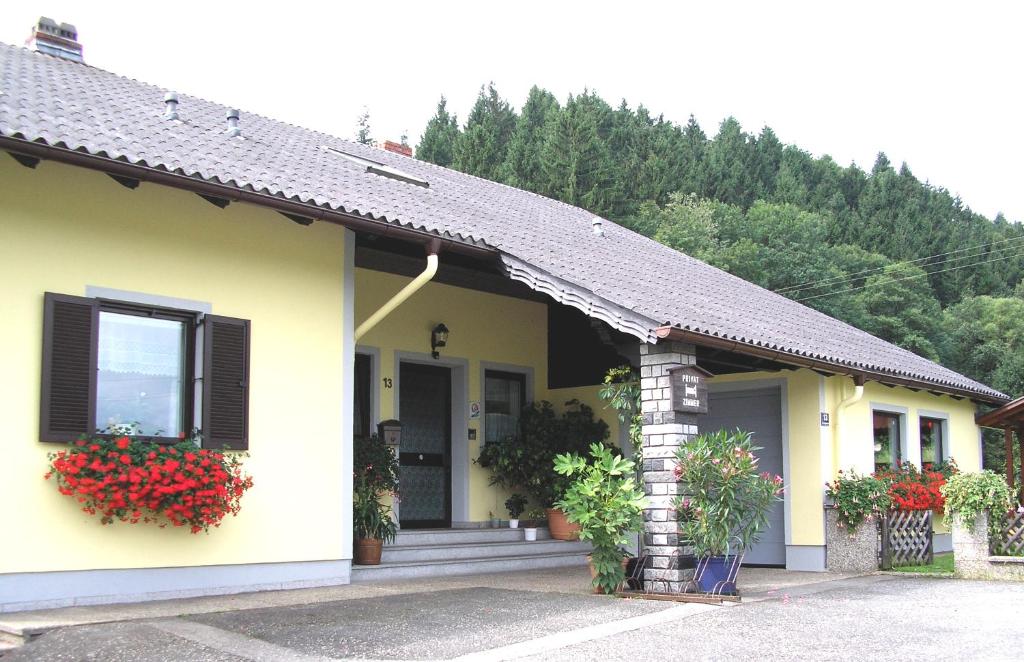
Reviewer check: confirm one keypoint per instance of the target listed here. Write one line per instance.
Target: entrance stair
(449, 552)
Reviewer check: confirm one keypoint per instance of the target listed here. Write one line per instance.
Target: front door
(425, 467)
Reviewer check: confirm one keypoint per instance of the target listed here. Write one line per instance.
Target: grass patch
(941, 563)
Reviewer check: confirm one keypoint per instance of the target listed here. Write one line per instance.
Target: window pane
(931, 440)
(503, 400)
(141, 374)
(887, 440)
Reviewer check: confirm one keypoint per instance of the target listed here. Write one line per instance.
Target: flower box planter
(851, 551)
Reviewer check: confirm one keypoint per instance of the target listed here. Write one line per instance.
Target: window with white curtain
(504, 397)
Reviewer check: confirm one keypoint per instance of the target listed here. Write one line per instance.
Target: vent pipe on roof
(596, 225)
(233, 129)
(170, 106)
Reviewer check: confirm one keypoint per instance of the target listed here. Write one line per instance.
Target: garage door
(760, 412)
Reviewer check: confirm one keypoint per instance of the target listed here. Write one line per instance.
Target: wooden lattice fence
(1008, 535)
(906, 538)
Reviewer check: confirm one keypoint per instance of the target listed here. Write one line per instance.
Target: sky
(934, 84)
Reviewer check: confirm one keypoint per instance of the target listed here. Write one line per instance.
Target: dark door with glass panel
(425, 476)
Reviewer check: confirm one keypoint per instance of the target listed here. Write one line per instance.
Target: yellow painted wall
(63, 228)
(803, 480)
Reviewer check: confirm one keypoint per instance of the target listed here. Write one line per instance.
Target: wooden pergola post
(1009, 461)
(1008, 438)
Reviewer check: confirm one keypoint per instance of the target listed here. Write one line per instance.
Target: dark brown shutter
(225, 382)
(67, 405)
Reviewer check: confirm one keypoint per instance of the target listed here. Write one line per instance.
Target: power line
(897, 280)
(867, 272)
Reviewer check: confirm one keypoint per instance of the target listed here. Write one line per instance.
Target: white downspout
(403, 294)
(841, 448)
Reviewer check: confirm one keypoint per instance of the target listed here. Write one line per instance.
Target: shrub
(971, 494)
(604, 500)
(857, 497)
(725, 498)
(121, 478)
(525, 462)
(515, 505)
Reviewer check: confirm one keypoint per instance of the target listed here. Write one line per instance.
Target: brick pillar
(664, 431)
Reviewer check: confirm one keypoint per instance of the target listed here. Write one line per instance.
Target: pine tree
(482, 147)
(523, 163)
(574, 157)
(437, 144)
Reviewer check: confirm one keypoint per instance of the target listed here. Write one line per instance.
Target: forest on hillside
(900, 258)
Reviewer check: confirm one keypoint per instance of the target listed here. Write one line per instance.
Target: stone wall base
(851, 551)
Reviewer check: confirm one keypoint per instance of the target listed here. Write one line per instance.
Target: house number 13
(388, 383)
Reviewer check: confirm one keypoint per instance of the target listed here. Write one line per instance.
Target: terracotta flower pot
(593, 571)
(367, 551)
(560, 527)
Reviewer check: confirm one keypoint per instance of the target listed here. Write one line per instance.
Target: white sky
(935, 84)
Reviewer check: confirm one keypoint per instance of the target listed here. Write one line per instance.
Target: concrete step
(402, 553)
(12, 637)
(463, 536)
(469, 566)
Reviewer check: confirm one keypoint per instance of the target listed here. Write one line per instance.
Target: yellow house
(169, 261)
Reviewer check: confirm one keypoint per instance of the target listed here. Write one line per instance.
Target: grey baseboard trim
(942, 542)
(47, 590)
(808, 558)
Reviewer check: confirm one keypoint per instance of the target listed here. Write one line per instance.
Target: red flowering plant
(911, 488)
(132, 480)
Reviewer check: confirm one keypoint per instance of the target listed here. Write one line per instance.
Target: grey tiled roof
(632, 282)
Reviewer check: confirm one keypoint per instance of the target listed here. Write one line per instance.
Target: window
(504, 398)
(933, 449)
(887, 433)
(361, 393)
(115, 363)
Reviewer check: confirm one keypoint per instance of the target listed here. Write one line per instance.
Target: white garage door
(760, 412)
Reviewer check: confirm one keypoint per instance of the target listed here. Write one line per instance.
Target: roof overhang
(683, 335)
(1010, 415)
(290, 207)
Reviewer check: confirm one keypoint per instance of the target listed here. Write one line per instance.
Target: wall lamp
(438, 338)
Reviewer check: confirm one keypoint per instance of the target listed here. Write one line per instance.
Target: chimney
(57, 40)
(397, 148)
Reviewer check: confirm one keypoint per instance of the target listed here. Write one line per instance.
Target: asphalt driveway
(875, 617)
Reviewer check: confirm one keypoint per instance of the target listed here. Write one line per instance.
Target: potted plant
(604, 500)
(724, 500)
(515, 505)
(525, 462)
(375, 473)
(533, 517)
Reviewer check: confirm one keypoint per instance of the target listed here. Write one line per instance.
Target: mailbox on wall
(391, 432)
(689, 389)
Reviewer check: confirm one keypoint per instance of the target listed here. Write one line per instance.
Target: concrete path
(550, 615)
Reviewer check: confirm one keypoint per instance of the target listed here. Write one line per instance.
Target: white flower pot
(513, 524)
(531, 533)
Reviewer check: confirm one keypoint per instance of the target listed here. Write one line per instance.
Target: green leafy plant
(374, 473)
(603, 498)
(515, 505)
(525, 461)
(535, 516)
(621, 391)
(724, 497)
(370, 517)
(971, 494)
(857, 497)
